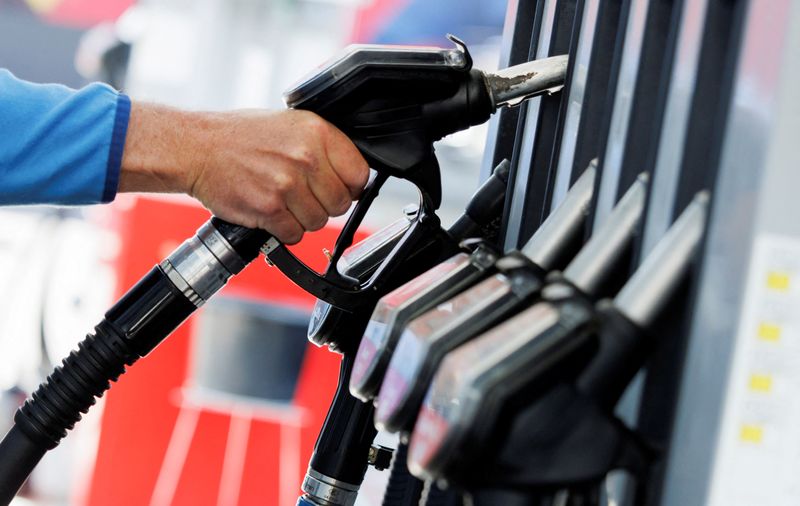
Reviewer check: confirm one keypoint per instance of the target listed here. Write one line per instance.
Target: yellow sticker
(43, 6)
(751, 433)
(769, 332)
(778, 281)
(761, 382)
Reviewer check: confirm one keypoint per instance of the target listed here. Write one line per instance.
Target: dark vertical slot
(605, 98)
(600, 81)
(552, 168)
(522, 113)
(502, 145)
(536, 202)
(644, 127)
(652, 79)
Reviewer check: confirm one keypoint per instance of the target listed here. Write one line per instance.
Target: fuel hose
(131, 329)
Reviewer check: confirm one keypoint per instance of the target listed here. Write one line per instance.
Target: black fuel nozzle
(535, 395)
(519, 283)
(476, 228)
(341, 453)
(552, 244)
(394, 103)
(378, 96)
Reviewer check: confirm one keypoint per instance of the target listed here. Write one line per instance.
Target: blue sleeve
(58, 145)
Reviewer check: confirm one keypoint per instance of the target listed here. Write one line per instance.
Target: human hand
(285, 172)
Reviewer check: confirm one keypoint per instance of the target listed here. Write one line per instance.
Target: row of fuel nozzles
(448, 357)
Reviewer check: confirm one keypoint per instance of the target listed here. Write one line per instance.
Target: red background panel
(268, 449)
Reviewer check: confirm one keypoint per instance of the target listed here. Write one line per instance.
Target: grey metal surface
(323, 490)
(670, 148)
(196, 270)
(611, 165)
(580, 72)
(220, 248)
(518, 195)
(655, 281)
(591, 267)
(755, 196)
(511, 85)
(563, 224)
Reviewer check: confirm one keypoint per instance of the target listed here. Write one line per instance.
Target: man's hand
(285, 172)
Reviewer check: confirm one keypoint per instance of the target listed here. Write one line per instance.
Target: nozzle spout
(655, 281)
(512, 85)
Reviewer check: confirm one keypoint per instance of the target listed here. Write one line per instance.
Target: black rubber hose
(20, 456)
(57, 405)
(403, 489)
(136, 324)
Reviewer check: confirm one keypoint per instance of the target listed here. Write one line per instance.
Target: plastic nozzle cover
(454, 399)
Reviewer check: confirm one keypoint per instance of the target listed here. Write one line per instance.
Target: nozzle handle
(343, 444)
(484, 210)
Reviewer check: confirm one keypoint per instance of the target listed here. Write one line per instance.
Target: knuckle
(271, 208)
(316, 125)
(306, 157)
(285, 182)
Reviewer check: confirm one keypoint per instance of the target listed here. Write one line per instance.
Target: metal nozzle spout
(655, 281)
(590, 269)
(512, 85)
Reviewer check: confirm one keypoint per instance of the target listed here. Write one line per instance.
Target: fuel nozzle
(339, 460)
(519, 283)
(555, 371)
(546, 249)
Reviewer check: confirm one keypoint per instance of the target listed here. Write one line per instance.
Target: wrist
(164, 149)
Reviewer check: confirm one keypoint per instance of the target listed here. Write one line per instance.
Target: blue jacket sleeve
(58, 145)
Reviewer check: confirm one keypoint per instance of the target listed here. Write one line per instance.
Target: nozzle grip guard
(339, 289)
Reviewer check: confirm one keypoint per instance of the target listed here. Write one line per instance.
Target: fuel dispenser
(394, 103)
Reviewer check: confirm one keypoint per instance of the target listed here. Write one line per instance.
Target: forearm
(283, 171)
(163, 149)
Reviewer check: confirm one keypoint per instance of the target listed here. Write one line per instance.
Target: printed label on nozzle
(367, 350)
(374, 343)
(389, 304)
(428, 437)
(403, 369)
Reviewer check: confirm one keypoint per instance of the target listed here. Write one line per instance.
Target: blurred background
(227, 410)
